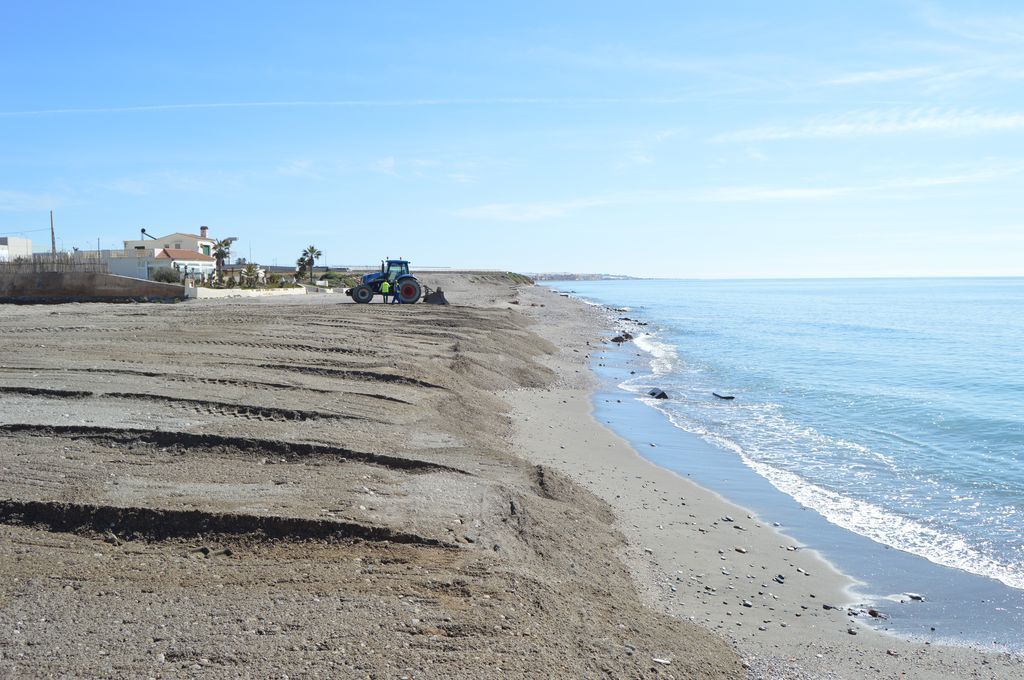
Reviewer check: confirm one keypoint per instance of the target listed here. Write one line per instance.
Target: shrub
(165, 275)
(519, 278)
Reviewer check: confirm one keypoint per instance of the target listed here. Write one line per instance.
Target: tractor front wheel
(362, 294)
(409, 291)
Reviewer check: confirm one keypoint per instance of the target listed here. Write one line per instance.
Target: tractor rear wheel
(409, 291)
(362, 294)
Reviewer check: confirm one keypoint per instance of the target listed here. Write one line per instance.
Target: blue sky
(733, 139)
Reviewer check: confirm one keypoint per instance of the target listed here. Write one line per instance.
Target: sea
(880, 421)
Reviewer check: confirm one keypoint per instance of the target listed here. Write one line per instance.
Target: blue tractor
(396, 273)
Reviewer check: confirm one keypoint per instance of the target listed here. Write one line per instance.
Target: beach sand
(310, 487)
(306, 488)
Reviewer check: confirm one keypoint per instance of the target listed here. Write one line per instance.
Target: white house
(12, 247)
(186, 254)
(186, 261)
(198, 243)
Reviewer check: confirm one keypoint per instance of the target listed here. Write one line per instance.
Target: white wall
(13, 246)
(205, 293)
(136, 267)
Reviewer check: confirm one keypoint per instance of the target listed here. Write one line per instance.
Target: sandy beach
(315, 488)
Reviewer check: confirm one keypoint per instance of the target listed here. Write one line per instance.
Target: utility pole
(53, 236)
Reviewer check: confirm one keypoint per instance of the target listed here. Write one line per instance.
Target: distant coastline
(566, 276)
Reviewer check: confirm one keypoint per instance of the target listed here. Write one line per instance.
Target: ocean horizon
(892, 408)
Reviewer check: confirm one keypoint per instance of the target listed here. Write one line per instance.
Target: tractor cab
(394, 269)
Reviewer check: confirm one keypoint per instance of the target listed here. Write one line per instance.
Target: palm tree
(221, 253)
(250, 275)
(300, 268)
(311, 253)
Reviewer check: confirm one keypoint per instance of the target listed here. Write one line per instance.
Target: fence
(48, 262)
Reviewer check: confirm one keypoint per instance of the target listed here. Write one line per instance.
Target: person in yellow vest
(385, 289)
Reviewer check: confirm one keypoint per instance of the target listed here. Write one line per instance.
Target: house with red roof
(179, 240)
(183, 253)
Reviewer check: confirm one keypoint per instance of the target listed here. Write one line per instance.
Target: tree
(250, 275)
(221, 253)
(300, 268)
(311, 254)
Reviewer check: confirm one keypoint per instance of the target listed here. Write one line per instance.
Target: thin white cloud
(544, 210)
(387, 166)
(619, 59)
(667, 134)
(303, 168)
(883, 76)
(531, 212)
(990, 28)
(973, 69)
(635, 160)
(979, 235)
(947, 180)
(755, 193)
(735, 74)
(869, 123)
(443, 168)
(355, 104)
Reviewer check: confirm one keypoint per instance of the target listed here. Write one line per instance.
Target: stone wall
(53, 287)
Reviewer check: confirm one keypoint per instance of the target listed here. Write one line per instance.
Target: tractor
(396, 273)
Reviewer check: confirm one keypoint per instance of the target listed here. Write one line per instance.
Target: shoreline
(684, 555)
(958, 608)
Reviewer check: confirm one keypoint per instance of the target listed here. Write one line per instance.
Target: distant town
(567, 276)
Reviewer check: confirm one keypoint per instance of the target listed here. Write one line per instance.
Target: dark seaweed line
(162, 524)
(294, 347)
(270, 412)
(44, 392)
(189, 442)
(381, 397)
(372, 376)
(168, 376)
(262, 411)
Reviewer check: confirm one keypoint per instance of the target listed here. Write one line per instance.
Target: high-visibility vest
(385, 287)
